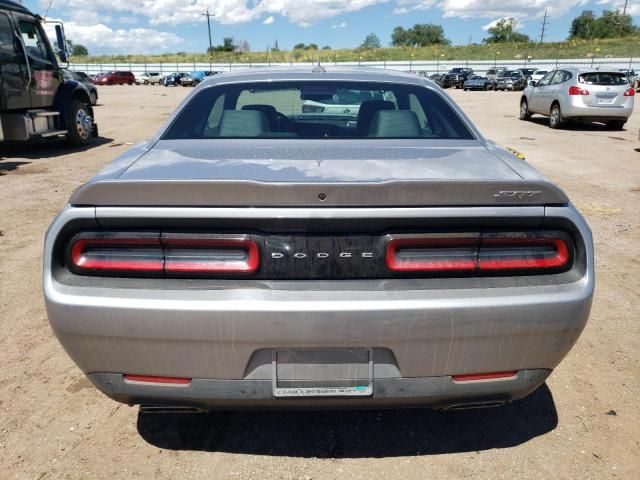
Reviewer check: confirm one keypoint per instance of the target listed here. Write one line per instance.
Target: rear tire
(555, 117)
(525, 115)
(616, 124)
(79, 124)
(93, 97)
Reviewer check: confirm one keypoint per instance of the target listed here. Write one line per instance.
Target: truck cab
(36, 101)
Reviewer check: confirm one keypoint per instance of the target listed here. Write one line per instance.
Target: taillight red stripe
(559, 259)
(154, 379)
(80, 260)
(469, 377)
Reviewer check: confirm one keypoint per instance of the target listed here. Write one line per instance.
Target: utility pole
(544, 26)
(209, 15)
(624, 13)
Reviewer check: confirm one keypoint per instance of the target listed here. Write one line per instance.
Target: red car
(115, 78)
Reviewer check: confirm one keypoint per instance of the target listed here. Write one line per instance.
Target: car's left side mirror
(533, 83)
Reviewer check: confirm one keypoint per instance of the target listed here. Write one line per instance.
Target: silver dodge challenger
(257, 254)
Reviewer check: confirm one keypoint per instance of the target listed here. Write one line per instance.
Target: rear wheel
(129, 82)
(555, 117)
(616, 124)
(524, 110)
(93, 96)
(79, 124)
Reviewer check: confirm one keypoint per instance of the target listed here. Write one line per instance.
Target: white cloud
(269, 21)
(506, 8)
(633, 8)
(100, 38)
(495, 22)
(340, 25)
(308, 12)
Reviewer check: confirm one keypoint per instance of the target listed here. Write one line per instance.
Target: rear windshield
(603, 78)
(317, 110)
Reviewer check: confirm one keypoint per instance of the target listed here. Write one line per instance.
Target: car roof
(319, 73)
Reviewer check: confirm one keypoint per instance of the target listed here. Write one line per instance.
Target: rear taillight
(433, 253)
(486, 253)
(152, 254)
(573, 90)
(117, 253)
(187, 254)
(630, 92)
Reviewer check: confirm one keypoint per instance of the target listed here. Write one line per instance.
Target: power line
(544, 26)
(209, 15)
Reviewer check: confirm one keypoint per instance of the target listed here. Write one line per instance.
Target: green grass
(620, 47)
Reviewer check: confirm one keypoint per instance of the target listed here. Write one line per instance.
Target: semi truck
(36, 102)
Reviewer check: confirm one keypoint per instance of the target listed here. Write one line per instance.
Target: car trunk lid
(317, 173)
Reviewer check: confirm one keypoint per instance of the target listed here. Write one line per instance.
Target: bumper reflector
(152, 379)
(483, 376)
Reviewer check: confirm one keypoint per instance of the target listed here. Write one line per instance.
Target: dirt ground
(584, 423)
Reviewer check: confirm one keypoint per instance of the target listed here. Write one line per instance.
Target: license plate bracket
(317, 372)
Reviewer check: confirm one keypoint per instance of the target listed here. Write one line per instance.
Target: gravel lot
(583, 424)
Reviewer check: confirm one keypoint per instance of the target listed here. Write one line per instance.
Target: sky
(157, 26)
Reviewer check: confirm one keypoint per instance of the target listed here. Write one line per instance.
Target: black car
(456, 77)
(527, 72)
(437, 78)
(174, 79)
(85, 81)
(476, 82)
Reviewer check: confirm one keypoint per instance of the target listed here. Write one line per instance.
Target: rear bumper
(421, 332)
(435, 392)
(576, 108)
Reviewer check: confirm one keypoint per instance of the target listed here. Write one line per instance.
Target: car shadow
(353, 433)
(45, 148)
(576, 126)
(6, 167)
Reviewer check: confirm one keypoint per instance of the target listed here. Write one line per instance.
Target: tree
(326, 47)
(227, 46)
(582, 25)
(503, 31)
(79, 50)
(371, 41)
(610, 24)
(298, 46)
(421, 35)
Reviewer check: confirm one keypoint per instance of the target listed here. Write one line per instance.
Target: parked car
(83, 79)
(149, 78)
(633, 77)
(538, 74)
(580, 95)
(214, 268)
(494, 73)
(478, 82)
(527, 72)
(345, 102)
(456, 77)
(174, 79)
(437, 78)
(194, 78)
(511, 80)
(92, 77)
(115, 78)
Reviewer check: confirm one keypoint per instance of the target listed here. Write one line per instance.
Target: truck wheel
(79, 124)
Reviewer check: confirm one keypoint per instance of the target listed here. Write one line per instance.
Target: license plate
(606, 98)
(339, 372)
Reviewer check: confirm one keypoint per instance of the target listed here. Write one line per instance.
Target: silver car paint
(221, 331)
